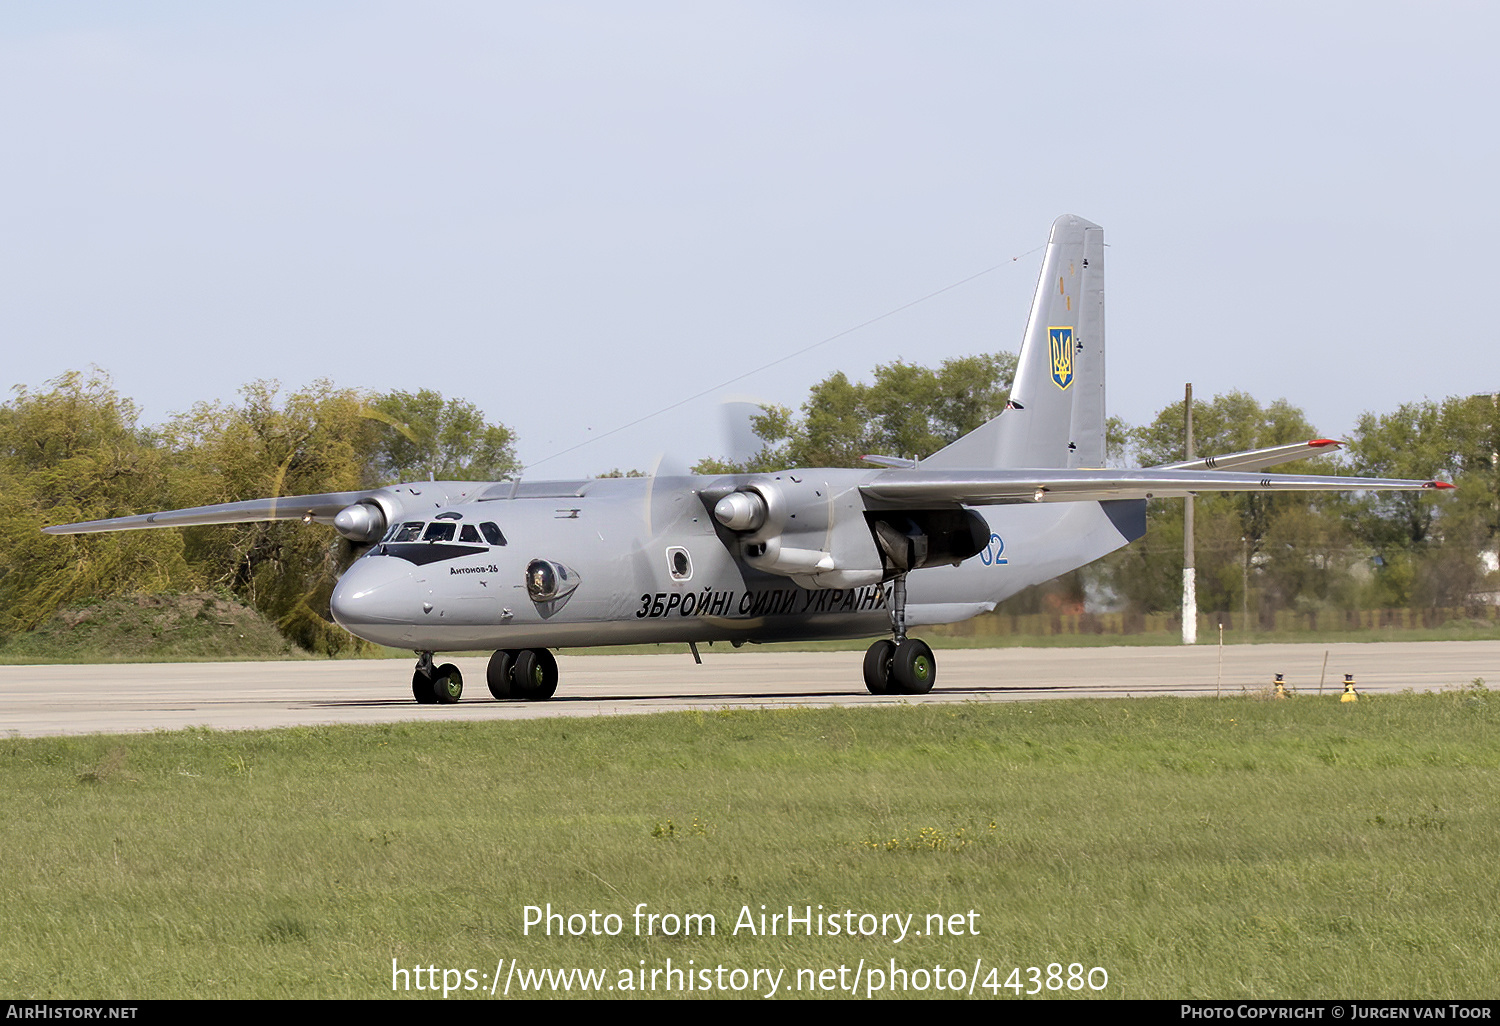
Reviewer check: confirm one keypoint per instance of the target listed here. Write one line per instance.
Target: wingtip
(1323, 443)
(1439, 484)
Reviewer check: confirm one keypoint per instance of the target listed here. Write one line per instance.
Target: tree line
(76, 451)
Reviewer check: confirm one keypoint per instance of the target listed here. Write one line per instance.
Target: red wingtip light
(1438, 484)
(1323, 443)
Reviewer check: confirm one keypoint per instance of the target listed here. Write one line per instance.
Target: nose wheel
(436, 685)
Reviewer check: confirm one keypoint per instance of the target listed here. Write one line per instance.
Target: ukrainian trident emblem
(1062, 356)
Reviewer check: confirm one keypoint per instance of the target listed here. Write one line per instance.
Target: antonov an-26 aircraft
(522, 567)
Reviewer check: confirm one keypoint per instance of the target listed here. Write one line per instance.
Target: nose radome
(376, 589)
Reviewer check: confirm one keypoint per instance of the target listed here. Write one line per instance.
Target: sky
(574, 215)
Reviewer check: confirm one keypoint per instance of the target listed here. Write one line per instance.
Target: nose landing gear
(436, 685)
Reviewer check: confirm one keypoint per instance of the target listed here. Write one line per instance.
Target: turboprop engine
(801, 527)
(821, 535)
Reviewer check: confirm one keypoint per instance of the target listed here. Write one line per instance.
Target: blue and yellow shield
(1062, 356)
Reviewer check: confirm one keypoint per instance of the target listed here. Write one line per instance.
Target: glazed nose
(376, 589)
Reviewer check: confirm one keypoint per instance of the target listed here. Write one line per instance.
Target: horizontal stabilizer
(1259, 459)
(890, 461)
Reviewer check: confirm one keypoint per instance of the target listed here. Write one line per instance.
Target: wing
(359, 516)
(995, 487)
(309, 508)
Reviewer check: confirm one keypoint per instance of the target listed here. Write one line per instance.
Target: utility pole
(1244, 582)
(1189, 580)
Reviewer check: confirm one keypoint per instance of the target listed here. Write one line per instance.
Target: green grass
(1190, 847)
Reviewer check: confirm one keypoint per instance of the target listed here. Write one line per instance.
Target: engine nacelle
(796, 527)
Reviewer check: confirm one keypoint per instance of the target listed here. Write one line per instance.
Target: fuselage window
(469, 533)
(492, 532)
(408, 532)
(437, 531)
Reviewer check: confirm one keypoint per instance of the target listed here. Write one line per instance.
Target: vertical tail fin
(1055, 417)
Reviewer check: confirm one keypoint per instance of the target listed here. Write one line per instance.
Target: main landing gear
(436, 684)
(903, 666)
(530, 673)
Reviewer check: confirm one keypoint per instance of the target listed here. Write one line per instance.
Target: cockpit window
(407, 532)
(469, 533)
(492, 533)
(440, 531)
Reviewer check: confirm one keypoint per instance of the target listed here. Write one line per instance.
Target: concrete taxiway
(85, 699)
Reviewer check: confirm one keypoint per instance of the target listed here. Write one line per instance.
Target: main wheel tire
(913, 669)
(422, 689)
(498, 675)
(447, 684)
(535, 675)
(878, 667)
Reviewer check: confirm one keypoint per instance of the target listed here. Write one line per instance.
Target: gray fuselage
(642, 560)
